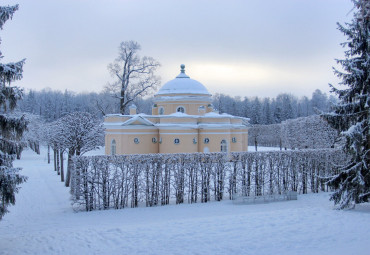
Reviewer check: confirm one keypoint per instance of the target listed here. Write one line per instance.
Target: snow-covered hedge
(311, 132)
(102, 182)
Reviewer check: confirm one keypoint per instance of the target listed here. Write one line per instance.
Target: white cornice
(116, 127)
(167, 99)
(130, 133)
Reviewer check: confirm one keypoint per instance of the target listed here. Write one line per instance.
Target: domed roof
(182, 84)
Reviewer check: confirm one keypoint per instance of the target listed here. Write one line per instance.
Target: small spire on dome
(182, 74)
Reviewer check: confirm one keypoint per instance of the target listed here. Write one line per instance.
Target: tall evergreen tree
(267, 113)
(11, 127)
(256, 112)
(319, 100)
(351, 114)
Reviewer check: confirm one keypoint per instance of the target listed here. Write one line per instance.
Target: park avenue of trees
(70, 123)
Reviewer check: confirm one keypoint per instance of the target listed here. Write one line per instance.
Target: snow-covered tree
(351, 114)
(80, 132)
(11, 126)
(267, 113)
(56, 139)
(253, 135)
(319, 100)
(256, 112)
(308, 133)
(287, 104)
(34, 136)
(266, 135)
(135, 75)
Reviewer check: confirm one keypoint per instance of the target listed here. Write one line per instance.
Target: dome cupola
(181, 85)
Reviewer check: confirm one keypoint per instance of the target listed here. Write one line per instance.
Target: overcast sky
(245, 48)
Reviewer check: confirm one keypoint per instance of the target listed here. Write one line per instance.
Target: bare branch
(135, 74)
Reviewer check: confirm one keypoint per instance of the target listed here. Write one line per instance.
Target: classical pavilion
(183, 121)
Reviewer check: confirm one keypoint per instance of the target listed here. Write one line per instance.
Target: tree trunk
(255, 142)
(122, 102)
(48, 154)
(38, 148)
(55, 159)
(71, 152)
(58, 163)
(19, 154)
(280, 144)
(61, 166)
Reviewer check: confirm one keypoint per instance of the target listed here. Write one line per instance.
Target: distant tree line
(52, 104)
(266, 111)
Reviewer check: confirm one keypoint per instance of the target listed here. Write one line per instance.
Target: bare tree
(134, 74)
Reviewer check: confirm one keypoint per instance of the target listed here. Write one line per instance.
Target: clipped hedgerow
(103, 182)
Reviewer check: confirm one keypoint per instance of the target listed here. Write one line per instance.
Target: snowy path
(42, 222)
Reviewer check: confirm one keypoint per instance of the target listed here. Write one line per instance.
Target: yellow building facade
(183, 121)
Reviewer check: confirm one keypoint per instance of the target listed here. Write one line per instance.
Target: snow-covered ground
(43, 222)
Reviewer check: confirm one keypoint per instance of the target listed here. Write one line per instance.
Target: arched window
(223, 146)
(161, 110)
(113, 147)
(180, 109)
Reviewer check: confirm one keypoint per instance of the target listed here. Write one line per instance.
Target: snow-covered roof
(181, 115)
(139, 119)
(217, 115)
(182, 84)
